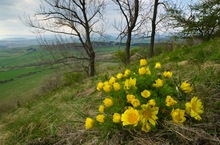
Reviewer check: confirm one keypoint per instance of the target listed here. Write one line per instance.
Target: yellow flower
(106, 83)
(100, 118)
(108, 102)
(112, 80)
(170, 101)
(135, 103)
(130, 97)
(148, 114)
(178, 116)
(127, 72)
(116, 118)
(145, 94)
(100, 86)
(142, 71)
(126, 85)
(151, 102)
(101, 108)
(130, 117)
(119, 76)
(194, 108)
(185, 87)
(89, 123)
(157, 65)
(116, 86)
(167, 74)
(143, 62)
(148, 71)
(146, 127)
(107, 87)
(159, 83)
(130, 83)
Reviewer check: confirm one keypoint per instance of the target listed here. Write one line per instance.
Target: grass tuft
(58, 117)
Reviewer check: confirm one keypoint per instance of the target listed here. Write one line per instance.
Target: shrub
(143, 99)
(72, 77)
(52, 83)
(120, 55)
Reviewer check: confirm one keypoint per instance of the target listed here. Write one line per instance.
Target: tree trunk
(130, 12)
(92, 64)
(127, 49)
(151, 53)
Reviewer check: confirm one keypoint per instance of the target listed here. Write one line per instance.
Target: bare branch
(70, 17)
(130, 10)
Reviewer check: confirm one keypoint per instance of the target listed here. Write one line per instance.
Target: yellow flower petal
(178, 116)
(130, 117)
(145, 94)
(157, 65)
(185, 87)
(108, 102)
(158, 83)
(100, 118)
(143, 62)
(89, 123)
(101, 108)
(116, 86)
(152, 121)
(194, 108)
(116, 118)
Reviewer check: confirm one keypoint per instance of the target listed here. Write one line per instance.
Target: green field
(21, 79)
(58, 117)
(10, 57)
(104, 50)
(21, 90)
(20, 86)
(16, 73)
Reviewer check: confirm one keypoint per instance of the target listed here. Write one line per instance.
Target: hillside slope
(58, 117)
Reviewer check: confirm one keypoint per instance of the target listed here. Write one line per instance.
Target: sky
(10, 11)
(12, 26)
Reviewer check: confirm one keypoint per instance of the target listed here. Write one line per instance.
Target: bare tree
(154, 23)
(77, 18)
(61, 51)
(130, 11)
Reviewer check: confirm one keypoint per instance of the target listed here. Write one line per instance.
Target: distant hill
(106, 40)
(17, 42)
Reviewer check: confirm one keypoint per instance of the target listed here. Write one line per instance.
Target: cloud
(17, 8)
(7, 10)
(10, 11)
(7, 2)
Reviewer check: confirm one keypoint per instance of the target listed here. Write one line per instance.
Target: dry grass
(173, 134)
(58, 118)
(72, 104)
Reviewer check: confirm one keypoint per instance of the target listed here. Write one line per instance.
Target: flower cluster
(143, 98)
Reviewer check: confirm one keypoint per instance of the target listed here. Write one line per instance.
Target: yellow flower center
(193, 106)
(132, 118)
(147, 114)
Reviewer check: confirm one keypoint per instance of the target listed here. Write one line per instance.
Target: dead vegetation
(58, 119)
